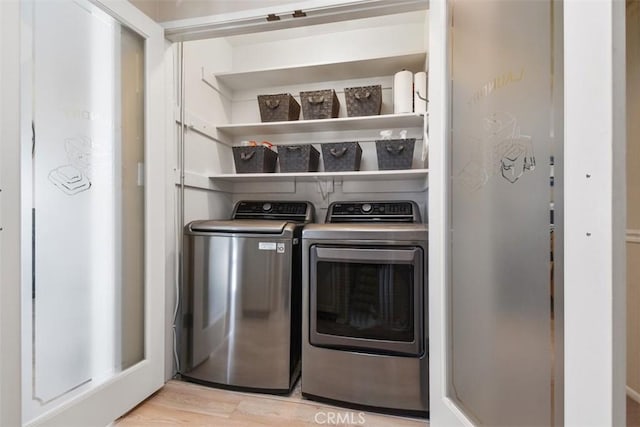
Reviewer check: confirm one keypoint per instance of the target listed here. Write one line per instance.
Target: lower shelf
(410, 180)
(394, 175)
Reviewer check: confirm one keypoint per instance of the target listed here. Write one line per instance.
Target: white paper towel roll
(403, 92)
(420, 88)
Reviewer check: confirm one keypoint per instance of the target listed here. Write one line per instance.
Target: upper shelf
(388, 121)
(364, 68)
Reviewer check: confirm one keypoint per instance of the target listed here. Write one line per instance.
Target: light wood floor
(633, 413)
(182, 403)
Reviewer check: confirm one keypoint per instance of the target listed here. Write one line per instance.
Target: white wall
(202, 155)
(382, 37)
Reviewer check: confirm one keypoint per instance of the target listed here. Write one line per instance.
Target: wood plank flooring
(633, 413)
(181, 403)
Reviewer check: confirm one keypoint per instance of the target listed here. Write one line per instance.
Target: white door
(89, 210)
(472, 377)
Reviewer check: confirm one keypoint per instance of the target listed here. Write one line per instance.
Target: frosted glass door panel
(88, 200)
(501, 146)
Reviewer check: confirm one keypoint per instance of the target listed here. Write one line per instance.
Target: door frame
(10, 295)
(443, 410)
(127, 388)
(595, 213)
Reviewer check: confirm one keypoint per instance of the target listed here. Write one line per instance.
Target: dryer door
(367, 299)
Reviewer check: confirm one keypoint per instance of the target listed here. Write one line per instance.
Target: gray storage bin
(278, 108)
(341, 156)
(319, 104)
(363, 101)
(395, 153)
(298, 158)
(254, 159)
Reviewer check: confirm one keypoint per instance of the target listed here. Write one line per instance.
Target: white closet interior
(223, 76)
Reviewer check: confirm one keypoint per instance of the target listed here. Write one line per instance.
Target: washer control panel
(292, 211)
(393, 211)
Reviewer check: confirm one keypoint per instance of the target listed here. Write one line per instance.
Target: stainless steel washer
(242, 301)
(365, 307)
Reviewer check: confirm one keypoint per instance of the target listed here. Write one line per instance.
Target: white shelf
(365, 68)
(389, 121)
(396, 181)
(385, 175)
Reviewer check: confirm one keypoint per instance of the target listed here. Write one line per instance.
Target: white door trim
(254, 20)
(443, 411)
(594, 245)
(10, 313)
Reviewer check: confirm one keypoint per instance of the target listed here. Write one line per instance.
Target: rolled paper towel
(403, 92)
(420, 87)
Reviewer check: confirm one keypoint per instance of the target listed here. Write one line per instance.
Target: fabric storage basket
(278, 108)
(363, 101)
(319, 104)
(395, 153)
(298, 158)
(341, 156)
(254, 159)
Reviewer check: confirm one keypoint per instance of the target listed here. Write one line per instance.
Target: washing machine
(241, 301)
(365, 339)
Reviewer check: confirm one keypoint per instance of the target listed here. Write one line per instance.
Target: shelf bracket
(325, 187)
(194, 123)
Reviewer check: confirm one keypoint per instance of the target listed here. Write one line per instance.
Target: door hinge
(187, 321)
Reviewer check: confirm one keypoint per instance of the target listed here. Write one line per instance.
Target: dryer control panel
(393, 211)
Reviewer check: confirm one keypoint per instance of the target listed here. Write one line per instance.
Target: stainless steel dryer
(365, 340)
(241, 302)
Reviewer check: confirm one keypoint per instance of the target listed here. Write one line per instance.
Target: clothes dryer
(365, 340)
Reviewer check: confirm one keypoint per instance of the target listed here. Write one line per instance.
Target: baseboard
(633, 236)
(633, 394)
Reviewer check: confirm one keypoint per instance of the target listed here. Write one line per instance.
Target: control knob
(366, 208)
(266, 207)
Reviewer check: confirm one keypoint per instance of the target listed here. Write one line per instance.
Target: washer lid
(239, 226)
